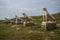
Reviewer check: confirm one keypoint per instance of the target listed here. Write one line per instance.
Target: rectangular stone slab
(48, 25)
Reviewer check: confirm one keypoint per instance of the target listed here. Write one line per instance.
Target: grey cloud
(9, 8)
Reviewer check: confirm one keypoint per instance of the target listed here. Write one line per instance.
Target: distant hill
(56, 15)
(39, 18)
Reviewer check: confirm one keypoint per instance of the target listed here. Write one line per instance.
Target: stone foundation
(28, 24)
(48, 25)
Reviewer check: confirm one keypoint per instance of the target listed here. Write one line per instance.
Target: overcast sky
(10, 8)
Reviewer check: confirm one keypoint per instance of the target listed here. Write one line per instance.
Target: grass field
(19, 32)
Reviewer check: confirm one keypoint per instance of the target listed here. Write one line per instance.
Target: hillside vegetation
(19, 32)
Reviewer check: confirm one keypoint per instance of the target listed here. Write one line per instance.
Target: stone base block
(48, 25)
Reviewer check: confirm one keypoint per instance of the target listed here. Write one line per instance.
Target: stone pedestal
(28, 24)
(48, 25)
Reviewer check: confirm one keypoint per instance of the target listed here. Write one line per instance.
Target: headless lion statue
(47, 16)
